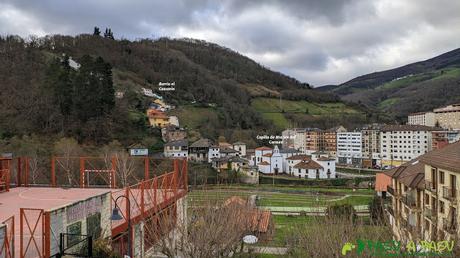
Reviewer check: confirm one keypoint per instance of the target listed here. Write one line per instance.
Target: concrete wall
(62, 217)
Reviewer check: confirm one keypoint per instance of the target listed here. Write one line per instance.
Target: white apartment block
(349, 148)
(402, 143)
(422, 118)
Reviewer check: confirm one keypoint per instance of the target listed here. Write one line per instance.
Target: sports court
(45, 198)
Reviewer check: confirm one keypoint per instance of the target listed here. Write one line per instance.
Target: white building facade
(349, 148)
(402, 143)
(422, 118)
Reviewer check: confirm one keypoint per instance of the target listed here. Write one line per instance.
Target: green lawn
(277, 119)
(277, 197)
(290, 106)
(194, 117)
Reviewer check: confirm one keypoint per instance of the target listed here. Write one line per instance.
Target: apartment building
(313, 140)
(349, 148)
(422, 118)
(442, 183)
(406, 192)
(425, 196)
(370, 136)
(329, 139)
(309, 140)
(448, 117)
(402, 143)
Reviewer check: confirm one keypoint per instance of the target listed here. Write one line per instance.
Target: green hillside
(415, 87)
(218, 91)
(286, 113)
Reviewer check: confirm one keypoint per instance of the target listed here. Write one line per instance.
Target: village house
(240, 147)
(234, 163)
(199, 150)
(286, 153)
(157, 118)
(316, 166)
(214, 152)
(176, 149)
(173, 133)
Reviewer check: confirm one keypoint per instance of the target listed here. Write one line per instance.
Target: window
(93, 225)
(427, 199)
(441, 207)
(441, 177)
(75, 230)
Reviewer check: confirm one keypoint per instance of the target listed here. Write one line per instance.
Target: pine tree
(108, 33)
(97, 31)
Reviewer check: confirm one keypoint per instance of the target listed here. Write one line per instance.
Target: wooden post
(26, 180)
(113, 174)
(19, 173)
(53, 171)
(46, 236)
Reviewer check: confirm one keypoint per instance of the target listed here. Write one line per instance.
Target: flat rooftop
(46, 198)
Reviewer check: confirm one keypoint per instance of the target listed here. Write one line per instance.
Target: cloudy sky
(316, 41)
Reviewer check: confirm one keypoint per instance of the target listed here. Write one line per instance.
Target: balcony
(429, 213)
(410, 200)
(390, 190)
(430, 186)
(449, 225)
(449, 194)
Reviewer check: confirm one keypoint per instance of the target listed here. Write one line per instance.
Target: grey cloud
(317, 41)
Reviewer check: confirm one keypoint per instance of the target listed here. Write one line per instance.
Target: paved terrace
(40, 198)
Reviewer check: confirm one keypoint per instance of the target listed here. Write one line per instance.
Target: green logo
(396, 248)
(347, 247)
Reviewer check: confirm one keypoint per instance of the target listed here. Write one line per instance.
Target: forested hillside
(41, 93)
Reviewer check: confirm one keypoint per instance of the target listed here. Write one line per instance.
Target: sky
(316, 41)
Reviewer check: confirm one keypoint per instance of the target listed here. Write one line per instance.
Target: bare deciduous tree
(67, 149)
(210, 230)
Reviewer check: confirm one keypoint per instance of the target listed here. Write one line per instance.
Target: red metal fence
(34, 233)
(148, 198)
(5, 175)
(7, 249)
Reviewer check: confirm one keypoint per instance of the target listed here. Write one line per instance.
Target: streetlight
(116, 216)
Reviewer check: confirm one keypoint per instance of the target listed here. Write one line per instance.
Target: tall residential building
(306, 140)
(288, 138)
(448, 117)
(406, 193)
(442, 182)
(349, 148)
(330, 139)
(425, 196)
(313, 140)
(402, 143)
(309, 140)
(370, 136)
(421, 118)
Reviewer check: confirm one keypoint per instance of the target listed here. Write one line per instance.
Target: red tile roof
(308, 164)
(263, 148)
(299, 157)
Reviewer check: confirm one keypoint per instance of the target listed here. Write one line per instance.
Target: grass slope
(274, 111)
